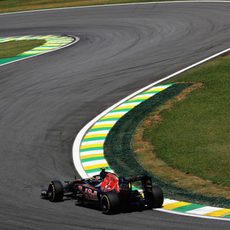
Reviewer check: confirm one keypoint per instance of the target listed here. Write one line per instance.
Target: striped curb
(52, 43)
(92, 157)
(92, 145)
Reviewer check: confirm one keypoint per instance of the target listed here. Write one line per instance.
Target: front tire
(55, 191)
(110, 203)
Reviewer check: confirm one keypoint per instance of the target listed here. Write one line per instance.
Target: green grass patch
(21, 5)
(193, 136)
(13, 48)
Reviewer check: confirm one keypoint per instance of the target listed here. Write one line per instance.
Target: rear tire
(156, 199)
(110, 203)
(55, 191)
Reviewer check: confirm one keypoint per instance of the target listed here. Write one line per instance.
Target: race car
(111, 193)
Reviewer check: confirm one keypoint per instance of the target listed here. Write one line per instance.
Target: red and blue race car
(111, 193)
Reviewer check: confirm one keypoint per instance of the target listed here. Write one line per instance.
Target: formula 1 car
(110, 192)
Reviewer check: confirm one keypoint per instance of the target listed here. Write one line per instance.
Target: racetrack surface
(45, 101)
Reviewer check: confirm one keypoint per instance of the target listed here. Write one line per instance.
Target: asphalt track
(46, 100)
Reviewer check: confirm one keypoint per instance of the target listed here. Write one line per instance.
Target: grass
(191, 135)
(13, 48)
(21, 5)
(146, 155)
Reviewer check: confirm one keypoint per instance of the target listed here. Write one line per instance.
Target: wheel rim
(51, 193)
(105, 204)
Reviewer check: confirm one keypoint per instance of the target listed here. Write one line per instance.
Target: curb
(92, 146)
(52, 43)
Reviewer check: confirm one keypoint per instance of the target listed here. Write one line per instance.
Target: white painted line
(109, 5)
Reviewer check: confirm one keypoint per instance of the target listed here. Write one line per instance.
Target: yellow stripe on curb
(144, 97)
(219, 213)
(156, 89)
(96, 166)
(92, 146)
(95, 135)
(103, 126)
(175, 205)
(92, 155)
(112, 116)
(125, 107)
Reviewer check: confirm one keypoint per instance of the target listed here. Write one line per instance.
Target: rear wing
(145, 182)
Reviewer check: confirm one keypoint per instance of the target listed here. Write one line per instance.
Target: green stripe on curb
(131, 102)
(6, 60)
(121, 111)
(24, 55)
(91, 149)
(109, 119)
(188, 207)
(92, 159)
(100, 129)
(134, 101)
(94, 139)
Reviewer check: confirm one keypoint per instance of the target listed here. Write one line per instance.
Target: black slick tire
(55, 191)
(156, 199)
(110, 203)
